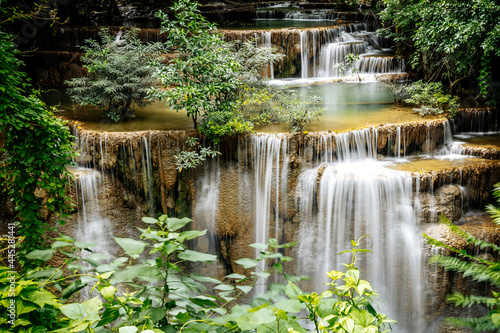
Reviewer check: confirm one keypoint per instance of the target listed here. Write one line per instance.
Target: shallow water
(425, 163)
(349, 105)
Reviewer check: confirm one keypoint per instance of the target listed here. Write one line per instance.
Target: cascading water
(334, 44)
(357, 195)
(147, 177)
(92, 226)
(207, 202)
(266, 41)
(269, 153)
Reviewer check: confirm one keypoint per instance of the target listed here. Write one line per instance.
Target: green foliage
(212, 79)
(476, 268)
(37, 146)
(454, 41)
(202, 79)
(120, 71)
(150, 289)
(279, 105)
(429, 98)
(189, 159)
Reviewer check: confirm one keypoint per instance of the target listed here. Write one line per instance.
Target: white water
(207, 203)
(270, 155)
(92, 226)
(331, 46)
(342, 195)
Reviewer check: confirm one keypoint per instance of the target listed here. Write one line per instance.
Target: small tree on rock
(120, 71)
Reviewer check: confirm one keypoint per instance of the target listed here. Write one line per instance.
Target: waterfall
(269, 152)
(332, 55)
(323, 52)
(304, 53)
(92, 226)
(207, 202)
(147, 167)
(354, 196)
(267, 42)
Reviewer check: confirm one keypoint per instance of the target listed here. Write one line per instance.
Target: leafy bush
(477, 268)
(429, 98)
(120, 70)
(37, 147)
(452, 41)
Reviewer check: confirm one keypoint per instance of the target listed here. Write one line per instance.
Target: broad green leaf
(191, 234)
(149, 220)
(289, 305)
(174, 224)
(43, 255)
(84, 245)
(245, 289)
(224, 287)
(73, 311)
(292, 290)
(203, 302)
(202, 278)
(236, 276)
(72, 288)
(92, 308)
(52, 273)
(24, 307)
(108, 293)
(128, 329)
(131, 246)
(109, 315)
(154, 314)
(259, 246)
(58, 244)
(196, 256)
(42, 297)
(247, 263)
(326, 307)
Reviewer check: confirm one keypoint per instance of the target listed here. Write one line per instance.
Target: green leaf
(289, 305)
(131, 247)
(224, 287)
(73, 311)
(260, 246)
(202, 278)
(108, 293)
(196, 256)
(191, 234)
(236, 276)
(149, 220)
(128, 329)
(24, 307)
(247, 263)
(245, 289)
(174, 224)
(58, 244)
(43, 255)
(109, 315)
(292, 290)
(43, 297)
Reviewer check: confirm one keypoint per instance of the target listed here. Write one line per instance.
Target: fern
(480, 324)
(476, 268)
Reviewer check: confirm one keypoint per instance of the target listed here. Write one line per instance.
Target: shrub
(120, 70)
(430, 99)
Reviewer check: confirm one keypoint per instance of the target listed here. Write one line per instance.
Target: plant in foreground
(150, 289)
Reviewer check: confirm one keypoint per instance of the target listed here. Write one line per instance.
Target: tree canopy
(457, 42)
